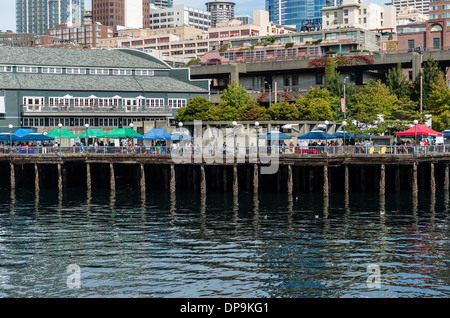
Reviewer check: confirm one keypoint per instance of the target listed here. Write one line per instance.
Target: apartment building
(355, 13)
(221, 11)
(179, 15)
(128, 13)
(421, 5)
(87, 35)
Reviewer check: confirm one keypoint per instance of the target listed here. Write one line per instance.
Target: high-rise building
(304, 15)
(221, 11)
(421, 5)
(36, 16)
(127, 13)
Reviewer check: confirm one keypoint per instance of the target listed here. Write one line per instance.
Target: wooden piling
(255, 178)
(446, 178)
(142, 180)
(13, 176)
(202, 180)
(59, 178)
(325, 181)
(36, 178)
(415, 190)
(432, 179)
(235, 181)
(397, 178)
(172, 179)
(289, 180)
(382, 180)
(346, 182)
(112, 178)
(88, 177)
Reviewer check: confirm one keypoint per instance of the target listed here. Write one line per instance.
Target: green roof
(65, 82)
(114, 58)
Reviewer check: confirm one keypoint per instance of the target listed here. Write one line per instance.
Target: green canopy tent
(122, 133)
(65, 134)
(92, 133)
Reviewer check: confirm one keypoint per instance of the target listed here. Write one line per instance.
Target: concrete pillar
(235, 181)
(289, 180)
(383, 180)
(36, 178)
(325, 181)
(59, 178)
(255, 178)
(202, 180)
(446, 178)
(112, 178)
(172, 179)
(415, 190)
(13, 176)
(88, 177)
(416, 65)
(432, 179)
(142, 182)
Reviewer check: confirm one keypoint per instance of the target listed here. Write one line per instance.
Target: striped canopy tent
(65, 134)
(92, 133)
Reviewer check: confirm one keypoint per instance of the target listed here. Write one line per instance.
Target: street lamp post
(344, 123)
(326, 135)
(257, 137)
(86, 139)
(60, 126)
(131, 129)
(10, 137)
(415, 134)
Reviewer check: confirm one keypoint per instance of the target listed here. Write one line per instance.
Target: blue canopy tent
(317, 134)
(156, 134)
(22, 132)
(34, 136)
(176, 135)
(275, 135)
(446, 133)
(340, 134)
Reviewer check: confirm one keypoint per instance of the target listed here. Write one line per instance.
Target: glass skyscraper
(303, 14)
(36, 16)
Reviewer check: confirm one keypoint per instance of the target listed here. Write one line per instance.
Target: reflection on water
(129, 244)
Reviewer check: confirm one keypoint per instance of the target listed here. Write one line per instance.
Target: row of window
(78, 122)
(95, 101)
(59, 70)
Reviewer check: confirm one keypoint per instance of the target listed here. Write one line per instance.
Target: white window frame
(177, 102)
(73, 70)
(6, 68)
(51, 70)
(122, 72)
(27, 69)
(144, 72)
(99, 71)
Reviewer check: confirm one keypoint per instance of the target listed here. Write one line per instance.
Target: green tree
(398, 83)
(198, 108)
(428, 74)
(252, 111)
(234, 96)
(439, 103)
(283, 111)
(315, 105)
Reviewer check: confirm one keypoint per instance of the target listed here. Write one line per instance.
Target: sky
(8, 19)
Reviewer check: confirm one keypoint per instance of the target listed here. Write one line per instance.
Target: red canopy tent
(422, 130)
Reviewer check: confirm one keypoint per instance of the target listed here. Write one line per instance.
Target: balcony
(96, 110)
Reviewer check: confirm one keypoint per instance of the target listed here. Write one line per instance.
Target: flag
(343, 105)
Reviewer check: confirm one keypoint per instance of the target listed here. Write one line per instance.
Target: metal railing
(229, 150)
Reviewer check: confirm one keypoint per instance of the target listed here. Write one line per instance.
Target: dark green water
(184, 246)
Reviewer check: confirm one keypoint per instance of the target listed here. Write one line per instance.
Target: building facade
(179, 15)
(35, 17)
(355, 13)
(221, 11)
(304, 15)
(127, 13)
(421, 5)
(84, 35)
(42, 87)
(160, 4)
